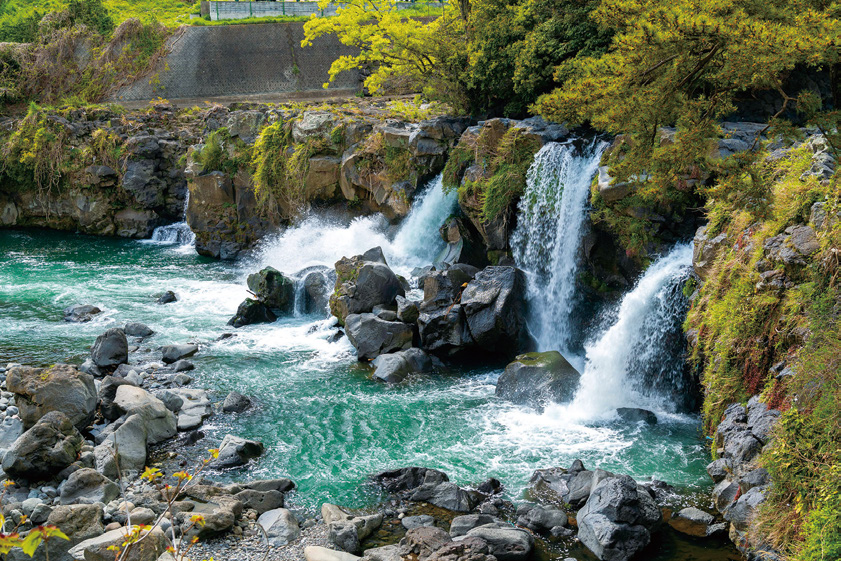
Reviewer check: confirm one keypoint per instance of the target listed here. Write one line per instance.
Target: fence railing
(243, 9)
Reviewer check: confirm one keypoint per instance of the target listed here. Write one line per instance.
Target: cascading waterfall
(178, 233)
(634, 361)
(548, 236)
(318, 241)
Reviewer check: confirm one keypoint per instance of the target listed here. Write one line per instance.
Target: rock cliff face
(105, 174)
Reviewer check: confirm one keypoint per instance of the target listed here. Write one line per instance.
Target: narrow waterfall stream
(178, 233)
(547, 240)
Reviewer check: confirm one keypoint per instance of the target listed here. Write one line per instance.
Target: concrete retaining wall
(238, 60)
(248, 9)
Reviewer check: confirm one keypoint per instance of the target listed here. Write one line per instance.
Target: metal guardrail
(244, 9)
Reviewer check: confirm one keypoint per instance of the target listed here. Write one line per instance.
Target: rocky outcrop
(393, 368)
(274, 289)
(251, 312)
(346, 530)
(740, 483)
(487, 315)
(51, 445)
(617, 521)
(537, 379)
(39, 391)
(373, 336)
(363, 282)
(559, 486)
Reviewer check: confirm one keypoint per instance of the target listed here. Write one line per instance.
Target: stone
(235, 451)
(373, 336)
(559, 487)
(362, 282)
(80, 313)
(110, 349)
(10, 430)
(318, 285)
(461, 525)
(692, 521)
(260, 501)
(183, 366)
(705, 250)
(719, 469)
(137, 329)
(107, 393)
(159, 422)
(235, 402)
(467, 548)
(446, 495)
(78, 522)
(407, 310)
(219, 508)
(51, 445)
(167, 297)
(424, 541)
(635, 415)
(506, 543)
(347, 531)
(88, 486)
(281, 485)
(755, 478)
(741, 513)
(617, 521)
(252, 312)
(542, 519)
(274, 289)
(280, 526)
(96, 549)
(393, 368)
(39, 391)
(318, 553)
(409, 478)
(538, 379)
(494, 306)
(724, 493)
(174, 353)
(411, 522)
(126, 446)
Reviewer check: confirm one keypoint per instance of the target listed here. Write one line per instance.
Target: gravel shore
(254, 547)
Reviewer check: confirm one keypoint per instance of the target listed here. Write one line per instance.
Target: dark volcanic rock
(251, 312)
(373, 336)
(537, 379)
(110, 349)
(273, 289)
(80, 313)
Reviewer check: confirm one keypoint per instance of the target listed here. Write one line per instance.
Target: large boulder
(58, 388)
(537, 379)
(110, 349)
(174, 353)
(77, 522)
(543, 519)
(101, 548)
(88, 486)
(80, 313)
(617, 521)
(251, 312)
(235, 451)
(219, 508)
(446, 495)
(505, 542)
(123, 452)
(461, 525)
(318, 285)
(274, 289)
(373, 336)
(409, 478)
(558, 486)
(51, 445)
(362, 282)
(160, 423)
(395, 367)
(486, 316)
(494, 304)
(424, 541)
(346, 530)
(280, 526)
(468, 548)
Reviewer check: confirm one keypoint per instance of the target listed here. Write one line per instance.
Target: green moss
(508, 165)
(460, 158)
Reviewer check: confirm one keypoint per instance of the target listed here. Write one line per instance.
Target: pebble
(12, 410)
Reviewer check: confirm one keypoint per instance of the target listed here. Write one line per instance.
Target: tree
(397, 49)
(684, 63)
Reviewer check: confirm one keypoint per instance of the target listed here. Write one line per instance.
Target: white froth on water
(321, 241)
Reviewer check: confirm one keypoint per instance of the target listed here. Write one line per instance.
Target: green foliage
(459, 159)
(515, 47)
(743, 328)
(34, 156)
(91, 13)
(507, 166)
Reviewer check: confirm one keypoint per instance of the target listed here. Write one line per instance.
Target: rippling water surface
(325, 423)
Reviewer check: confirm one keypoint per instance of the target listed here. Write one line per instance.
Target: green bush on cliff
(744, 327)
(36, 156)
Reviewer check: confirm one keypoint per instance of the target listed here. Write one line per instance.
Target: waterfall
(321, 241)
(547, 239)
(178, 233)
(635, 360)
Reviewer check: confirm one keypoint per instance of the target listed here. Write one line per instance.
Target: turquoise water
(325, 423)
